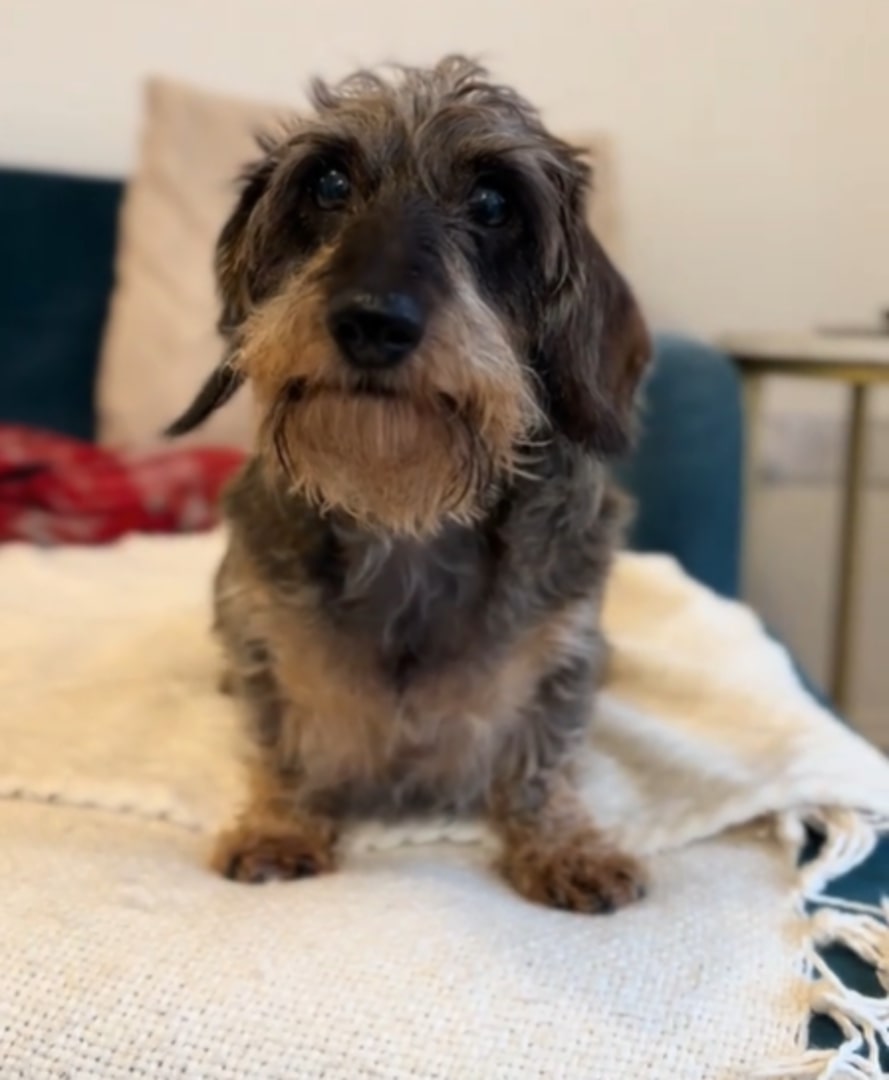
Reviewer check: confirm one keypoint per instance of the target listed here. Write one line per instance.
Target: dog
(443, 360)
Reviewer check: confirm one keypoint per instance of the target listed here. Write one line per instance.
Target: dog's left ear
(595, 345)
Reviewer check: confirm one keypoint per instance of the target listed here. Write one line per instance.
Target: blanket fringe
(863, 1020)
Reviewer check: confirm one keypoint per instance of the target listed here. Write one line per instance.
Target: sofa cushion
(685, 472)
(58, 235)
(161, 338)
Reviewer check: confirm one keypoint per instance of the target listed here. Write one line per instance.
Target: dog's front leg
(276, 836)
(552, 851)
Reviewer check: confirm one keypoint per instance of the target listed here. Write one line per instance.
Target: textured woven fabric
(408, 965)
(121, 955)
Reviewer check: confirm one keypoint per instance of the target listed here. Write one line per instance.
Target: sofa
(58, 241)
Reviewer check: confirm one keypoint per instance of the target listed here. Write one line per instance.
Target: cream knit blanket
(123, 956)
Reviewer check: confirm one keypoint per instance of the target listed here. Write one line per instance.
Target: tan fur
(275, 837)
(439, 744)
(397, 460)
(575, 871)
(262, 849)
(553, 854)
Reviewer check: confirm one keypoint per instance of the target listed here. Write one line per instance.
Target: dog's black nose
(375, 330)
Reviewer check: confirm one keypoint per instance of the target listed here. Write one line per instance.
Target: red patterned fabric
(56, 490)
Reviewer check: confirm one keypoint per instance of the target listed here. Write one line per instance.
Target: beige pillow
(160, 341)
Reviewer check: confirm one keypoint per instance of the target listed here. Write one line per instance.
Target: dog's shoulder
(276, 531)
(560, 526)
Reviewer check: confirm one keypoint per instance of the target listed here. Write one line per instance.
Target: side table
(859, 362)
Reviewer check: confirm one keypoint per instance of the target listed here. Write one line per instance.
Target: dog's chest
(410, 670)
(400, 695)
(414, 607)
(376, 742)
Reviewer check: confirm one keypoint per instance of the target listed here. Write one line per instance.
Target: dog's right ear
(233, 278)
(594, 345)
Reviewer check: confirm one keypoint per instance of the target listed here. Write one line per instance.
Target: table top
(864, 358)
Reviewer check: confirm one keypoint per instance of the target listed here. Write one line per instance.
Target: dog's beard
(390, 461)
(429, 444)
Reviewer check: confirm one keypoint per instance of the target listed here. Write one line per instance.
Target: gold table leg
(849, 552)
(752, 387)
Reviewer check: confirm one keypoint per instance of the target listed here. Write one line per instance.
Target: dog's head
(409, 281)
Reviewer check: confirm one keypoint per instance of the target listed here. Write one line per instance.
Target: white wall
(751, 134)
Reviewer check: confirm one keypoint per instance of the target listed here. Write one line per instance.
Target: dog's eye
(489, 206)
(331, 189)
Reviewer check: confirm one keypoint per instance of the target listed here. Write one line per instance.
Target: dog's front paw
(256, 855)
(577, 874)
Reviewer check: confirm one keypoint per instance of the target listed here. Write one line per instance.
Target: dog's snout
(376, 330)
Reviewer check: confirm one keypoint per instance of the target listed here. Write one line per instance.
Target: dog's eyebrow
(312, 147)
(313, 144)
(496, 164)
(513, 161)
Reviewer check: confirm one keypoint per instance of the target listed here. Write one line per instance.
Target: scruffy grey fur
(444, 358)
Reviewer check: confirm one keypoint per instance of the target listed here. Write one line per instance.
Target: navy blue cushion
(685, 472)
(57, 237)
